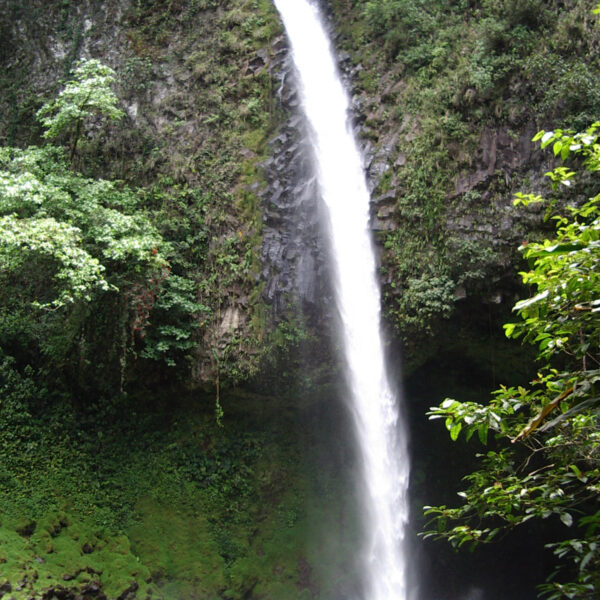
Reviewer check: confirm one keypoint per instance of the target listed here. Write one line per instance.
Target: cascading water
(343, 188)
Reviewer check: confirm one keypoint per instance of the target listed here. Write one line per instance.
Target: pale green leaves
(531, 301)
(567, 142)
(87, 94)
(527, 199)
(77, 273)
(77, 230)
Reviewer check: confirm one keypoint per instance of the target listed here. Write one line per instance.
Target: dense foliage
(80, 262)
(154, 491)
(451, 93)
(543, 460)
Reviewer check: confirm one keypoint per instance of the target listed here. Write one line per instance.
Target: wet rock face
(481, 205)
(293, 250)
(295, 222)
(497, 151)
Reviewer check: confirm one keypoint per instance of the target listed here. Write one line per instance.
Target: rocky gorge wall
(445, 101)
(212, 133)
(200, 104)
(294, 223)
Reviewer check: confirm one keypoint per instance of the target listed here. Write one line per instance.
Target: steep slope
(447, 97)
(196, 83)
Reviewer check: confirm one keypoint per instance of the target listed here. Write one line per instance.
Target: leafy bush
(399, 21)
(69, 243)
(550, 468)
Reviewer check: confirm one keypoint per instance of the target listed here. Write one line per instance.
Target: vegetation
(204, 196)
(88, 93)
(130, 237)
(154, 492)
(120, 260)
(542, 462)
(452, 93)
(72, 251)
(101, 487)
(195, 164)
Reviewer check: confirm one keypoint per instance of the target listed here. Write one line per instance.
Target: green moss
(176, 542)
(166, 498)
(61, 554)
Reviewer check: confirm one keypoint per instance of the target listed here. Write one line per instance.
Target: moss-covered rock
(448, 96)
(153, 498)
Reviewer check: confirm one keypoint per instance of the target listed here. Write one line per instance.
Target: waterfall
(342, 183)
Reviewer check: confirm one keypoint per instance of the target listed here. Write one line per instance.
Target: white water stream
(343, 187)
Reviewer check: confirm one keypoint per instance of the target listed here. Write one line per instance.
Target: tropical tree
(87, 94)
(81, 263)
(544, 461)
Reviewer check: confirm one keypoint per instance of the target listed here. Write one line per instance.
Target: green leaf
(530, 301)
(455, 430)
(546, 138)
(586, 559)
(557, 147)
(566, 518)
(482, 433)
